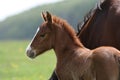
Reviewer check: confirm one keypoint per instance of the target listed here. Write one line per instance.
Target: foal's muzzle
(30, 52)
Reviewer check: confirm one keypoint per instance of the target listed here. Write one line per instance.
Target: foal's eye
(42, 35)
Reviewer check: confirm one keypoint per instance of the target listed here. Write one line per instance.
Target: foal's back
(106, 63)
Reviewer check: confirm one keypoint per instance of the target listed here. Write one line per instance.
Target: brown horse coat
(104, 27)
(74, 61)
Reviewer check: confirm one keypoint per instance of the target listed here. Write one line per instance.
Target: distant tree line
(24, 25)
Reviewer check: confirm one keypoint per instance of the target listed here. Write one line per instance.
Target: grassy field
(15, 65)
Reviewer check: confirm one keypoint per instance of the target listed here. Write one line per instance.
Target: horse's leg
(106, 67)
(53, 76)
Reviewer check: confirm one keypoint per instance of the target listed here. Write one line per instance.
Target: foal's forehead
(43, 26)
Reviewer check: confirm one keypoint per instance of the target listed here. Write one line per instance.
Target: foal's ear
(49, 17)
(43, 16)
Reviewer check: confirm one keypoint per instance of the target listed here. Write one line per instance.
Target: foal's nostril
(30, 54)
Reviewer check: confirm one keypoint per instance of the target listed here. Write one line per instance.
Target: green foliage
(15, 65)
(24, 25)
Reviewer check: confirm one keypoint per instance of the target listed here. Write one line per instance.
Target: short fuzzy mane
(68, 28)
(64, 24)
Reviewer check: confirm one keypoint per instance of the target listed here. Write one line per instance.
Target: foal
(74, 61)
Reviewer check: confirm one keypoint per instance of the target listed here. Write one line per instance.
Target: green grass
(15, 65)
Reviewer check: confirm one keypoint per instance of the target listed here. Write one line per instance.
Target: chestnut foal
(74, 61)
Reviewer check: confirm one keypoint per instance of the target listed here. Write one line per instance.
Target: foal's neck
(65, 46)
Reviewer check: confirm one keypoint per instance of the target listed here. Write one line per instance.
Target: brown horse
(74, 61)
(103, 26)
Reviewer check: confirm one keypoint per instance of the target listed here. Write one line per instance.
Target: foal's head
(43, 39)
(49, 33)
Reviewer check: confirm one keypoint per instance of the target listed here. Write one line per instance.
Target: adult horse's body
(103, 27)
(74, 61)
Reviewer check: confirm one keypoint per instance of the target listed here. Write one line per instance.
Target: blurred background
(19, 20)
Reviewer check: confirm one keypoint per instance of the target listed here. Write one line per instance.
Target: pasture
(15, 65)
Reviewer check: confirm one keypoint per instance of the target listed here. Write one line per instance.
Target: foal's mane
(67, 27)
(64, 24)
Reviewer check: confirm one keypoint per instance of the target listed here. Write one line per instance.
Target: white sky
(11, 7)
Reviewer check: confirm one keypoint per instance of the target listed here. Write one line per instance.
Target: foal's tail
(117, 58)
(119, 67)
